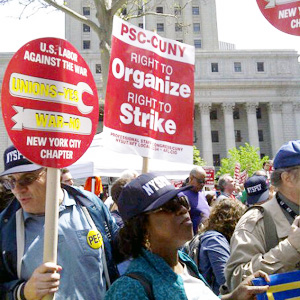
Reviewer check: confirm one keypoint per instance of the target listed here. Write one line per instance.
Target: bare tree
(105, 11)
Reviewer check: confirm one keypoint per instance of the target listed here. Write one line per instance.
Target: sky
(239, 22)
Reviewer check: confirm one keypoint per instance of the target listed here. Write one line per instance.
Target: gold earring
(147, 244)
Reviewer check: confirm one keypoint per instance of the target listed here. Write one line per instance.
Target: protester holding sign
(84, 268)
(268, 238)
(157, 224)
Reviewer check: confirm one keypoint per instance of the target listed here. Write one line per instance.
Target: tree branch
(116, 5)
(76, 15)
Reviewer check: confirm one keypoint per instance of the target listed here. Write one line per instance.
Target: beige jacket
(248, 246)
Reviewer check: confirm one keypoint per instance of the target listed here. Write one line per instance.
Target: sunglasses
(26, 179)
(200, 180)
(174, 205)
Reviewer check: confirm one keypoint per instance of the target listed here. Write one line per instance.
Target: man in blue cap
(257, 189)
(85, 230)
(268, 239)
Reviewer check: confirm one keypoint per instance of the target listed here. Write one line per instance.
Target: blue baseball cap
(257, 189)
(15, 162)
(288, 155)
(145, 193)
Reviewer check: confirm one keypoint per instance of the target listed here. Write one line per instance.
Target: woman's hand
(246, 291)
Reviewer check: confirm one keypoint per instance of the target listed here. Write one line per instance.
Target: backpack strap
(144, 282)
(271, 236)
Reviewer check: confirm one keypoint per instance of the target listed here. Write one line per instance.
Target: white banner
(33, 119)
(42, 89)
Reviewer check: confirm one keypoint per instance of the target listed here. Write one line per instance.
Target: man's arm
(248, 253)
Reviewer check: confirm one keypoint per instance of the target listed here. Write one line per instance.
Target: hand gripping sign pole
(50, 110)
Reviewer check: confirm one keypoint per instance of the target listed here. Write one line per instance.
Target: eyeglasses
(200, 180)
(174, 205)
(26, 179)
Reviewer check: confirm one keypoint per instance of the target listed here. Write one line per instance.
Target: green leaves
(197, 160)
(248, 158)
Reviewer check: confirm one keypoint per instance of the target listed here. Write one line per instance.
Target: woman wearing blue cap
(157, 224)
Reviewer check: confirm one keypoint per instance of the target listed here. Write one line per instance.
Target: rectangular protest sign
(149, 101)
(283, 286)
(210, 176)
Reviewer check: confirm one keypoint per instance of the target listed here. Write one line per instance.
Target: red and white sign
(237, 170)
(49, 102)
(243, 177)
(282, 14)
(150, 95)
(210, 176)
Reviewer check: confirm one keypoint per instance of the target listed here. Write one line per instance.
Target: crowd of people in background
(160, 241)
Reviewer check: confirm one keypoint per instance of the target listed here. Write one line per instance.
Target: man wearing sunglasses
(85, 231)
(199, 207)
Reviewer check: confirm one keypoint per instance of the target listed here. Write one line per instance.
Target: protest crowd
(148, 239)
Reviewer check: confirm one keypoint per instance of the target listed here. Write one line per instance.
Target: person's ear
(287, 179)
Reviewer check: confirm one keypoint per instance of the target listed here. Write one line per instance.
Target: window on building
(160, 27)
(260, 135)
(213, 114)
(237, 67)
(141, 25)
(197, 44)
(236, 113)
(98, 69)
(258, 113)
(196, 27)
(177, 11)
(195, 10)
(215, 136)
(260, 67)
(86, 28)
(86, 11)
(214, 67)
(217, 160)
(178, 27)
(262, 155)
(86, 45)
(195, 137)
(159, 9)
(238, 136)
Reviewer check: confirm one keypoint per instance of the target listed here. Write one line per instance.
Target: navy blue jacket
(8, 246)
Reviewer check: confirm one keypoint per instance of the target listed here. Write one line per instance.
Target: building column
(288, 121)
(207, 153)
(296, 108)
(229, 125)
(252, 125)
(276, 126)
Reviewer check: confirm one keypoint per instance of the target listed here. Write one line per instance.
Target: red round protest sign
(49, 102)
(282, 14)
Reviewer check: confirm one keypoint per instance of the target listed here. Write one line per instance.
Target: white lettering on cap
(253, 189)
(155, 184)
(13, 155)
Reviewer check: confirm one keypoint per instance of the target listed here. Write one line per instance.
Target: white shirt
(195, 288)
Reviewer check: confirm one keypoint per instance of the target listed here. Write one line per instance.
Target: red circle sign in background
(282, 14)
(49, 102)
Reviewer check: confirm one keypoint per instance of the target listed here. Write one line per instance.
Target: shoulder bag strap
(271, 236)
(144, 282)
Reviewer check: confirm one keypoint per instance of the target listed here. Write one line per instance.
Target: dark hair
(224, 217)
(117, 188)
(209, 197)
(132, 236)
